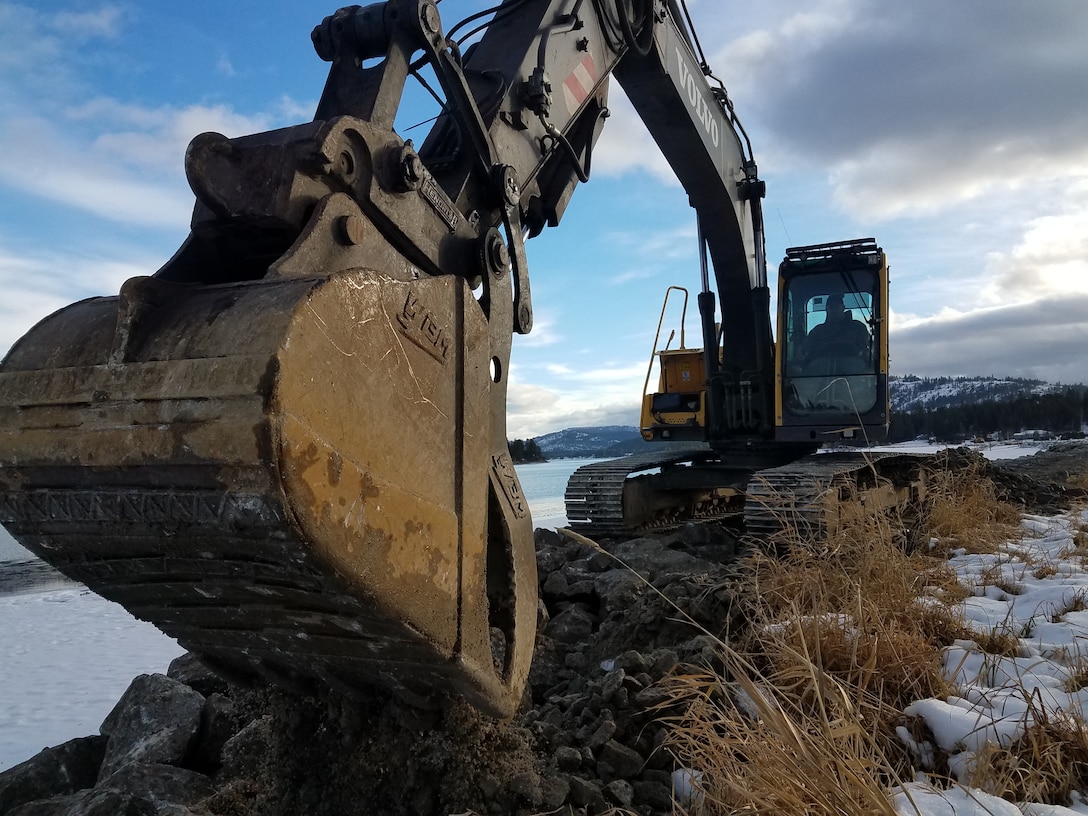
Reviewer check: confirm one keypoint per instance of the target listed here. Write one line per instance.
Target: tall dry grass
(844, 632)
(962, 510)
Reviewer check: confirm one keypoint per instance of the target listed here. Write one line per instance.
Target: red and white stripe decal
(579, 83)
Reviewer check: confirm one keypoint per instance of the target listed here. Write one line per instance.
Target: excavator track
(801, 498)
(791, 499)
(595, 492)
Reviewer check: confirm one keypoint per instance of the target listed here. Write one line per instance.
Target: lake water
(543, 484)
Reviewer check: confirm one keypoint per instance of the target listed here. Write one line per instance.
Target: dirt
(1047, 482)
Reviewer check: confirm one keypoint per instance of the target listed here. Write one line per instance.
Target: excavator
(751, 422)
(287, 447)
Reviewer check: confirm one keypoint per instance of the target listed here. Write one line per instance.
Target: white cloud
(37, 284)
(917, 108)
(930, 175)
(224, 66)
(39, 161)
(77, 147)
(1044, 338)
(625, 145)
(82, 25)
(605, 395)
(534, 410)
(1050, 258)
(543, 334)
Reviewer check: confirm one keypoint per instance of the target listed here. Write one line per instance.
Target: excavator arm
(287, 447)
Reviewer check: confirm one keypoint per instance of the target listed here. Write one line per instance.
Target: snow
(910, 393)
(1033, 589)
(68, 655)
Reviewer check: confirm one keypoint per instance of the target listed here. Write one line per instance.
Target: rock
(218, 723)
(197, 675)
(580, 590)
(617, 761)
(652, 560)
(243, 754)
(590, 742)
(551, 551)
(652, 697)
(159, 784)
(554, 791)
(542, 614)
(600, 561)
(620, 791)
(568, 758)
(155, 721)
(662, 661)
(587, 794)
(57, 771)
(694, 534)
(581, 569)
(555, 584)
(657, 795)
(599, 733)
(526, 786)
(576, 662)
(91, 802)
(572, 625)
(612, 682)
(618, 589)
(632, 662)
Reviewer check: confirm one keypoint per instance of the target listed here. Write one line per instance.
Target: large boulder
(155, 721)
(57, 771)
(161, 785)
(91, 802)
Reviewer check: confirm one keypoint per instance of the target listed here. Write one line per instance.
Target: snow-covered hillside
(580, 442)
(911, 392)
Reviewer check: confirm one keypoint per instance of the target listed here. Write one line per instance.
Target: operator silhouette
(840, 335)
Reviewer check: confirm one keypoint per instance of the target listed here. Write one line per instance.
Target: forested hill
(954, 409)
(600, 440)
(912, 392)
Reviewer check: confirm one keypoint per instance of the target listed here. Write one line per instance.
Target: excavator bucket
(300, 476)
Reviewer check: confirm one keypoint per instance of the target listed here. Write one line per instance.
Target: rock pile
(612, 625)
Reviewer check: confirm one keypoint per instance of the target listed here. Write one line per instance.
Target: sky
(953, 133)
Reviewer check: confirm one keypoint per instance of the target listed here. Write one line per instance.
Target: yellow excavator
(750, 428)
(287, 447)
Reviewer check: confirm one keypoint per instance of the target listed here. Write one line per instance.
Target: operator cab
(832, 351)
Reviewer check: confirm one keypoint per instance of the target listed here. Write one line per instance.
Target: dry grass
(1080, 541)
(843, 634)
(1078, 679)
(773, 757)
(962, 511)
(1047, 763)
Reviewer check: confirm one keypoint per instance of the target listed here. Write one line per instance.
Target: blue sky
(954, 133)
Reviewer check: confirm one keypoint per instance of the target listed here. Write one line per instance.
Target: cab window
(830, 349)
